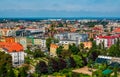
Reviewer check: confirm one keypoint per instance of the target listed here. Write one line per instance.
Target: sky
(59, 8)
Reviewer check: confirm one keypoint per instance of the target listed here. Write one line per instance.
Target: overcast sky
(59, 8)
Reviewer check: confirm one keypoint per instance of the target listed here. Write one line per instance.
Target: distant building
(30, 32)
(117, 30)
(7, 32)
(15, 50)
(72, 36)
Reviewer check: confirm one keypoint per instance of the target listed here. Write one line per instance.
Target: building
(30, 32)
(40, 42)
(15, 50)
(37, 41)
(87, 44)
(10, 39)
(22, 41)
(43, 43)
(106, 40)
(7, 32)
(117, 30)
(66, 43)
(72, 36)
(53, 48)
(62, 42)
(61, 36)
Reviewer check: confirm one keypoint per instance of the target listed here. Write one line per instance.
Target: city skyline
(59, 8)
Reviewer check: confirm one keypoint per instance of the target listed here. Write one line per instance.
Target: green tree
(22, 72)
(48, 42)
(74, 49)
(78, 60)
(66, 53)
(11, 73)
(62, 63)
(41, 68)
(5, 64)
(53, 63)
(115, 71)
(114, 50)
(59, 50)
(38, 53)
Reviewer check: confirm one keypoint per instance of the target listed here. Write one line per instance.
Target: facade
(37, 41)
(72, 36)
(66, 43)
(29, 32)
(117, 30)
(106, 40)
(87, 44)
(7, 32)
(61, 36)
(15, 50)
(22, 41)
(43, 43)
(62, 42)
(40, 41)
(53, 48)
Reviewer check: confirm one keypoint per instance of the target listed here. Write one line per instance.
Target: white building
(106, 40)
(72, 36)
(62, 42)
(15, 50)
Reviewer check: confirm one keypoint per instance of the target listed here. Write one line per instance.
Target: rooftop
(11, 47)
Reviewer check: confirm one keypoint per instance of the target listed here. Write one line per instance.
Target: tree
(5, 64)
(11, 73)
(38, 53)
(41, 68)
(93, 54)
(53, 63)
(60, 24)
(115, 71)
(72, 62)
(22, 72)
(114, 50)
(66, 53)
(48, 42)
(62, 63)
(59, 50)
(78, 60)
(74, 49)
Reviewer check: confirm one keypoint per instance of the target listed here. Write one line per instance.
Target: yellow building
(65, 46)
(87, 44)
(37, 41)
(53, 48)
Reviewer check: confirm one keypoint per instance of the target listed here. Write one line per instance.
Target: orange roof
(54, 46)
(73, 29)
(11, 47)
(116, 30)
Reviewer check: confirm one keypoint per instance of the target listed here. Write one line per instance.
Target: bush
(41, 68)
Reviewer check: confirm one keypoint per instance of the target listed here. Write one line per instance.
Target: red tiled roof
(96, 28)
(116, 30)
(11, 47)
(108, 37)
